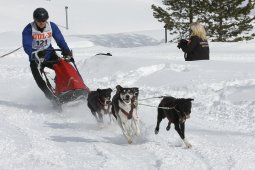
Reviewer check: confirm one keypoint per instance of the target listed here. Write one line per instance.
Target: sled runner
(67, 85)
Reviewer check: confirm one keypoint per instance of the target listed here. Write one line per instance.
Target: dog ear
(136, 89)
(98, 90)
(118, 87)
(190, 99)
(110, 89)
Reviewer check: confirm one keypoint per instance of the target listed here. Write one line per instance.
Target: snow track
(221, 127)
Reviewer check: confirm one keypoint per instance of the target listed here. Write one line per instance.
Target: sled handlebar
(57, 49)
(38, 51)
(40, 58)
(50, 62)
(41, 61)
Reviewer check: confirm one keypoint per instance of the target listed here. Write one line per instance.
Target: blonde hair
(198, 30)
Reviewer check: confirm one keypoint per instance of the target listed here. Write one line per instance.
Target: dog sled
(67, 85)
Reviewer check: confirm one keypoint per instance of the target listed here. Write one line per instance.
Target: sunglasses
(41, 20)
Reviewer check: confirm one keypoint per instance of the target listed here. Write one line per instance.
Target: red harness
(130, 113)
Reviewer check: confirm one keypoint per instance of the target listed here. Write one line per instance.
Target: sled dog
(177, 111)
(124, 109)
(99, 103)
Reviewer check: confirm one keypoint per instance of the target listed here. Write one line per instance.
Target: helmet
(40, 14)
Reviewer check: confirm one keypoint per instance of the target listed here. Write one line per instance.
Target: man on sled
(36, 37)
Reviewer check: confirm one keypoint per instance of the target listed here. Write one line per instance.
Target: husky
(124, 109)
(99, 103)
(176, 110)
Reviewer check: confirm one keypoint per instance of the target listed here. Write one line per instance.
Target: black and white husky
(99, 103)
(124, 109)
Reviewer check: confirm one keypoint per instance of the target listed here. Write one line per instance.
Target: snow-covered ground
(34, 136)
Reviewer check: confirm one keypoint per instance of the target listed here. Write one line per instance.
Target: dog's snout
(187, 114)
(127, 97)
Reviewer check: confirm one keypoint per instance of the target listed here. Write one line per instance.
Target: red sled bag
(69, 84)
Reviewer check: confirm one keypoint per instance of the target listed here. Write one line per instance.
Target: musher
(37, 36)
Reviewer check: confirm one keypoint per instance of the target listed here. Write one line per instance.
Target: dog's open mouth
(108, 102)
(126, 100)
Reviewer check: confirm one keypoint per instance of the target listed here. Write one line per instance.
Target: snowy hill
(34, 136)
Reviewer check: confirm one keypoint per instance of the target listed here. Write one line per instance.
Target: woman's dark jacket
(196, 49)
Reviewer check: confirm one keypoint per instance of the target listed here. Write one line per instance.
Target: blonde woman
(197, 47)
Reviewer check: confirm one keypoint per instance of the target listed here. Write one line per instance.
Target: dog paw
(129, 141)
(168, 128)
(187, 144)
(156, 131)
(98, 120)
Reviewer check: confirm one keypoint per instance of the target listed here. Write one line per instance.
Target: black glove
(41, 54)
(182, 43)
(67, 53)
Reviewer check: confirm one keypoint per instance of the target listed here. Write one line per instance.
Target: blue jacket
(56, 34)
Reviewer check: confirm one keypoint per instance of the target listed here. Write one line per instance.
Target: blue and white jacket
(34, 40)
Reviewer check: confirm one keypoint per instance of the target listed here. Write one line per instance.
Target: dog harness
(130, 113)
